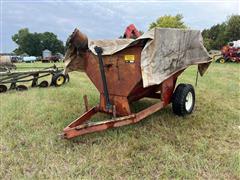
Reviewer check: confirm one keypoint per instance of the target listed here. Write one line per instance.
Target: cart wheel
(58, 79)
(183, 99)
(21, 88)
(222, 60)
(3, 88)
(43, 84)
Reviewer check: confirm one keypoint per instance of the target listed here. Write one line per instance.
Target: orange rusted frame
(78, 127)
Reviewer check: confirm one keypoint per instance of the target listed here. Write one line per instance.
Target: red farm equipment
(229, 53)
(121, 74)
(131, 32)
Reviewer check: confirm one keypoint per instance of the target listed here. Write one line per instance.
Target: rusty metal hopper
(118, 78)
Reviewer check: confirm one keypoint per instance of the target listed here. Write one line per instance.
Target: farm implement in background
(229, 53)
(131, 32)
(11, 80)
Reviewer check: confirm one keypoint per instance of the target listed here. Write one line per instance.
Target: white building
(46, 54)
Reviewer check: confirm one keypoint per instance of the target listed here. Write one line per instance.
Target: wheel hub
(60, 80)
(189, 101)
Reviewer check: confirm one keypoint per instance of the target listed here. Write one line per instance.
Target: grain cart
(126, 70)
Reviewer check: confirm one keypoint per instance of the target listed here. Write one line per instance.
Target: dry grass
(204, 144)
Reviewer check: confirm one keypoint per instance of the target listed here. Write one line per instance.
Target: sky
(104, 19)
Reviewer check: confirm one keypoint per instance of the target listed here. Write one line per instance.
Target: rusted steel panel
(121, 76)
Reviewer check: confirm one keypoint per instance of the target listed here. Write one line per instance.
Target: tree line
(220, 34)
(34, 43)
(214, 38)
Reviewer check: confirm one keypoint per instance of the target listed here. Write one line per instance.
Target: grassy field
(203, 145)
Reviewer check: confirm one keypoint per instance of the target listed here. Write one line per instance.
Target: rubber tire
(3, 88)
(222, 60)
(55, 77)
(21, 88)
(43, 84)
(179, 99)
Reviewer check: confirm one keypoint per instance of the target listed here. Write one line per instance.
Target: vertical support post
(196, 81)
(114, 111)
(13, 85)
(35, 80)
(85, 102)
(99, 52)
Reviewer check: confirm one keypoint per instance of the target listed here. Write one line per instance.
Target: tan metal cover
(169, 51)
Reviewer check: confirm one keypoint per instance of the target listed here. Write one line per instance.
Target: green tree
(233, 28)
(50, 41)
(169, 21)
(20, 39)
(215, 36)
(219, 35)
(35, 43)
